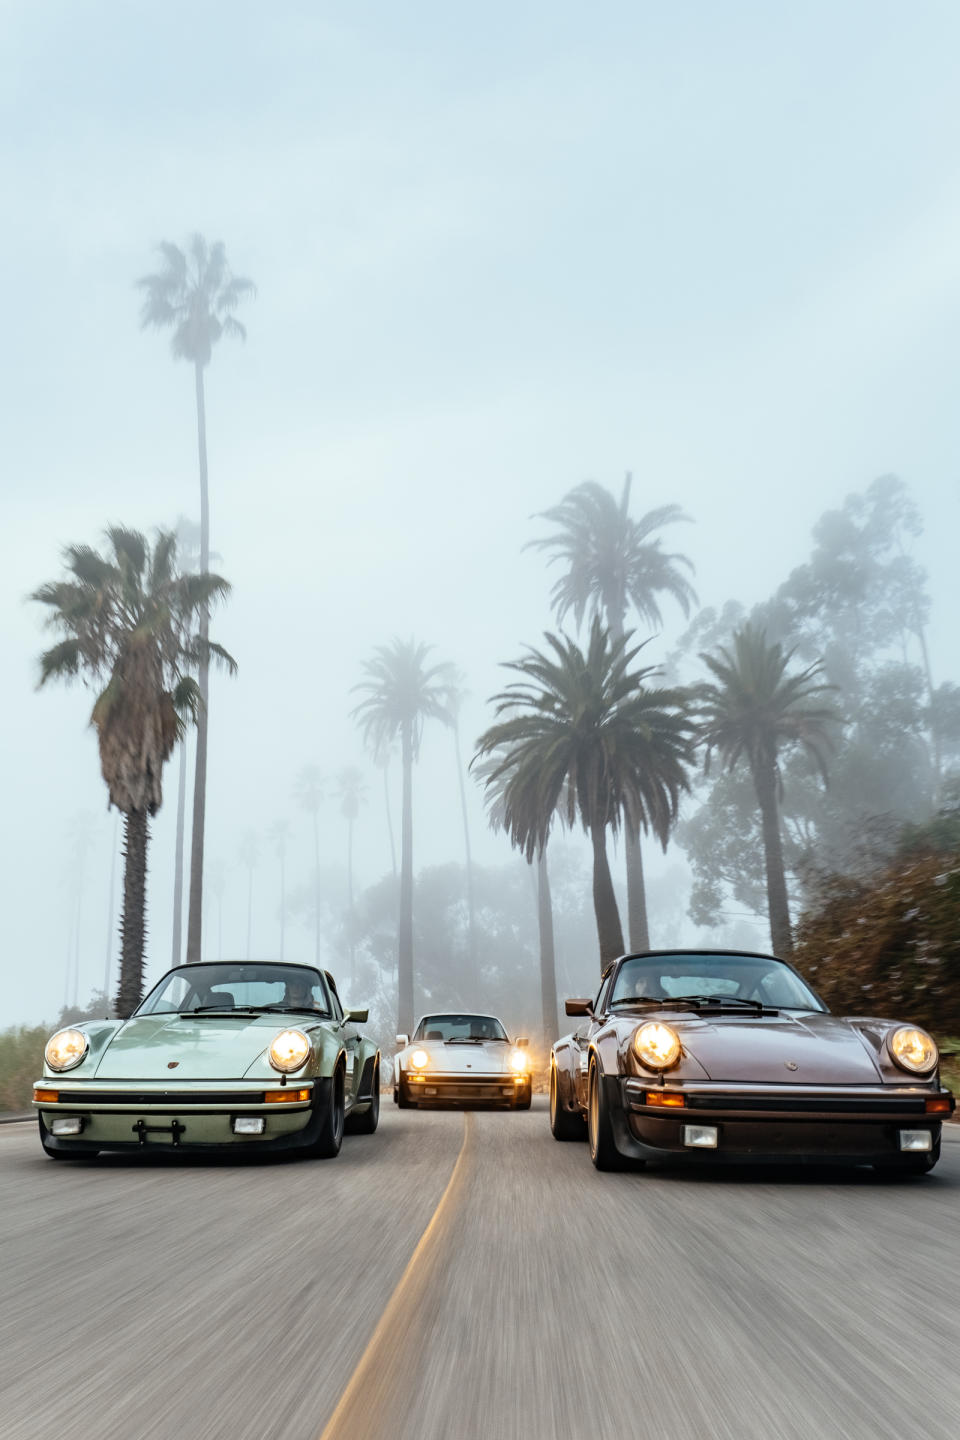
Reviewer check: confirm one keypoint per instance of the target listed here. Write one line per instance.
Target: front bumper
(195, 1117)
(459, 1089)
(793, 1123)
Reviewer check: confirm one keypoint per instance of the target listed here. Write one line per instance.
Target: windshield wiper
(294, 1010)
(702, 1001)
(463, 1040)
(221, 1010)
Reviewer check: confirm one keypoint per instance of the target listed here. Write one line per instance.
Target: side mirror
(578, 1007)
(521, 1040)
(359, 1017)
(403, 1041)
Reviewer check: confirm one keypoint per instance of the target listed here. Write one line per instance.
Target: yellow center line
(370, 1395)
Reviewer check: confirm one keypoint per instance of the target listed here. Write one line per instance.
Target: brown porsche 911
(731, 1055)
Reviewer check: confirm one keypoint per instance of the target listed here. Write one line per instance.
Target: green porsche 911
(254, 1055)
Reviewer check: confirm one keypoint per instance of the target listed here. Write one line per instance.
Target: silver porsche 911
(460, 1058)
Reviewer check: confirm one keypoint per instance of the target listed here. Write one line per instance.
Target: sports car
(461, 1058)
(257, 1056)
(731, 1055)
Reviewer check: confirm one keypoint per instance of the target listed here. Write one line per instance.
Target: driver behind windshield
(298, 993)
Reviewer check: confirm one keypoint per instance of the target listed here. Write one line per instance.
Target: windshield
(459, 1027)
(734, 977)
(238, 986)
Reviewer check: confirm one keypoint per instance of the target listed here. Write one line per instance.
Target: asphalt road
(463, 1277)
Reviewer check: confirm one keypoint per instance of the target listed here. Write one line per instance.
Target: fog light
(67, 1125)
(700, 1137)
(916, 1140)
(248, 1125)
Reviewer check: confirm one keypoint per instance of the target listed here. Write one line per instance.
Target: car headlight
(419, 1058)
(288, 1050)
(658, 1046)
(518, 1062)
(66, 1049)
(913, 1049)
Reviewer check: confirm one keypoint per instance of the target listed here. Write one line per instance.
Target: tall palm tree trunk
(636, 889)
(636, 895)
(386, 801)
(177, 954)
(609, 931)
(249, 908)
(777, 903)
(108, 963)
(133, 925)
(405, 936)
(548, 968)
(195, 920)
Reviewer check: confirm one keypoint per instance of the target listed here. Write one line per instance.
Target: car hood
(492, 1059)
(211, 1048)
(825, 1049)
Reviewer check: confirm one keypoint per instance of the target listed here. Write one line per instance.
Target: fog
(497, 252)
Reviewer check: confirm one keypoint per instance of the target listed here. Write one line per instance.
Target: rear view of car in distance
(457, 1057)
(730, 1055)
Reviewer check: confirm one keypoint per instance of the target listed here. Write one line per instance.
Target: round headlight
(419, 1058)
(288, 1050)
(657, 1045)
(66, 1049)
(518, 1061)
(913, 1049)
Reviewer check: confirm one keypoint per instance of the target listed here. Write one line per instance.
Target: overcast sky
(498, 250)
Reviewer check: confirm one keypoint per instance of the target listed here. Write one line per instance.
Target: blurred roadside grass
(21, 1062)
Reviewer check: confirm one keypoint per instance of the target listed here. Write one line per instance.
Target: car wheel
(603, 1152)
(523, 1096)
(565, 1124)
(330, 1137)
(366, 1123)
(402, 1100)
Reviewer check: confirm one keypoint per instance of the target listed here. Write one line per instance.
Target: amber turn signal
(939, 1106)
(664, 1097)
(285, 1097)
(46, 1097)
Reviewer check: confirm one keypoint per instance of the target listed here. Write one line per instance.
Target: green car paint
(181, 1078)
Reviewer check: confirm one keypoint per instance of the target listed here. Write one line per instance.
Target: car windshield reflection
(216, 988)
(453, 1028)
(757, 979)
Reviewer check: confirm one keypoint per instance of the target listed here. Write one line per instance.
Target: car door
(582, 1037)
(350, 1036)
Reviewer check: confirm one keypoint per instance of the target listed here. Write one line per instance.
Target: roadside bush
(21, 1062)
(889, 945)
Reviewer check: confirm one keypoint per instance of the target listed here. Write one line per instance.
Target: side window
(603, 995)
(337, 1007)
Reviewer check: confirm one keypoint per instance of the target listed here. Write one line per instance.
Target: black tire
(603, 1151)
(401, 1099)
(367, 1122)
(565, 1124)
(330, 1136)
(524, 1096)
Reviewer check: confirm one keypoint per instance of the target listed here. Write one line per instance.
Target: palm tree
(308, 790)
(456, 694)
(195, 295)
(351, 793)
(249, 855)
(278, 836)
(613, 562)
(401, 693)
(129, 619)
(585, 736)
(496, 808)
(755, 710)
